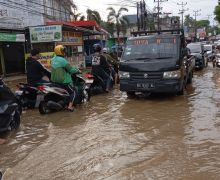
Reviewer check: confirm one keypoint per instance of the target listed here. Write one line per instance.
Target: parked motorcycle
(10, 109)
(57, 98)
(28, 95)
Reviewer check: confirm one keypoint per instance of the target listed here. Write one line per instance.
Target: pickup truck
(156, 62)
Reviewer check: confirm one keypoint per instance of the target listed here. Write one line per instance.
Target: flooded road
(113, 137)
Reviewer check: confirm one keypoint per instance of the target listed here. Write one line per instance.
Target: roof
(70, 25)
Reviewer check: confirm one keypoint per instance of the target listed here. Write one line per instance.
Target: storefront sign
(12, 37)
(72, 38)
(45, 59)
(46, 33)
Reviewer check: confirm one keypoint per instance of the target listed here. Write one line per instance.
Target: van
(155, 62)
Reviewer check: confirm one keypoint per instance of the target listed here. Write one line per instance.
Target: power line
(196, 13)
(158, 11)
(182, 10)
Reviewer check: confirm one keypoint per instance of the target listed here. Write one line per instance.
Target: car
(196, 49)
(155, 62)
(209, 52)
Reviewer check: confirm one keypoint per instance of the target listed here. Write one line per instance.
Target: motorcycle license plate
(19, 93)
(89, 81)
(145, 85)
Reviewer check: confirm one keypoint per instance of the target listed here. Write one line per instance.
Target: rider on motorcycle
(101, 67)
(61, 73)
(35, 71)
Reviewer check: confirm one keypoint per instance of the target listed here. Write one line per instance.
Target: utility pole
(158, 11)
(182, 10)
(196, 13)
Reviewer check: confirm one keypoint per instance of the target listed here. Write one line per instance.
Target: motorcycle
(57, 98)
(28, 95)
(10, 109)
(99, 84)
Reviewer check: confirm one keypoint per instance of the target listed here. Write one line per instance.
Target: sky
(206, 6)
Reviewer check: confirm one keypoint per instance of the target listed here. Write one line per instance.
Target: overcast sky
(206, 6)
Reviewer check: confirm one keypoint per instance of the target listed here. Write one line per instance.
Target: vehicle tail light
(89, 76)
(41, 88)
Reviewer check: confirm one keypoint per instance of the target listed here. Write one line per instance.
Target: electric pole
(182, 10)
(158, 11)
(196, 13)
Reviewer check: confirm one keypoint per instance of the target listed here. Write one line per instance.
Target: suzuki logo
(145, 75)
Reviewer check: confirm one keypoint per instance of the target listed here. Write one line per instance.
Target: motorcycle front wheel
(15, 123)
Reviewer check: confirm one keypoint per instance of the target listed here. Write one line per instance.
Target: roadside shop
(60, 33)
(12, 48)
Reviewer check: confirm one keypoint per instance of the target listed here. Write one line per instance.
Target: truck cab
(155, 62)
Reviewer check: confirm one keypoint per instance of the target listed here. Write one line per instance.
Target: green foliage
(202, 23)
(217, 13)
(120, 21)
(93, 15)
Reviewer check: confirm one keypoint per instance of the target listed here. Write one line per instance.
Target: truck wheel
(130, 94)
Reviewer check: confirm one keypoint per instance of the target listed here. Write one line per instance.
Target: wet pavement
(113, 137)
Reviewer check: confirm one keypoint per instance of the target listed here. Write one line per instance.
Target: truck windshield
(152, 48)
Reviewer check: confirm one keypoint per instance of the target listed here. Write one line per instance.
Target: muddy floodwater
(117, 138)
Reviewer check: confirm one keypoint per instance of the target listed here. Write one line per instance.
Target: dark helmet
(97, 48)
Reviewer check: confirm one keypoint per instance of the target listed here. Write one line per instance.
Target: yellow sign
(45, 59)
(72, 38)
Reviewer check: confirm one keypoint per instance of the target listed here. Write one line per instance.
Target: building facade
(15, 16)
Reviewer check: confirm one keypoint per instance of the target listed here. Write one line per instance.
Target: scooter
(99, 84)
(57, 98)
(10, 109)
(28, 95)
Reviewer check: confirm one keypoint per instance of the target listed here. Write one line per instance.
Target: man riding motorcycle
(61, 73)
(35, 71)
(101, 67)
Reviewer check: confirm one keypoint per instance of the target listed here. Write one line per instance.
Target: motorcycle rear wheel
(43, 109)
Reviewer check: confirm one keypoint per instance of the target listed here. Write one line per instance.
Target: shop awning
(71, 26)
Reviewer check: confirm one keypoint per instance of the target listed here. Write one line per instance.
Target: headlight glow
(124, 75)
(172, 74)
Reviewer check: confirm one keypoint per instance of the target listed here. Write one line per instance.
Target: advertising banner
(72, 38)
(51, 33)
(12, 37)
(45, 59)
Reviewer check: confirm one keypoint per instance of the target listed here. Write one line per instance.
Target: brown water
(113, 137)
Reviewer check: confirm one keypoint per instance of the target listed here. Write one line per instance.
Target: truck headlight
(124, 75)
(172, 74)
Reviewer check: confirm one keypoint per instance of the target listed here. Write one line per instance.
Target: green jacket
(62, 70)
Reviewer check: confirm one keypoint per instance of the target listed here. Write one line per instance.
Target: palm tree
(118, 19)
(93, 15)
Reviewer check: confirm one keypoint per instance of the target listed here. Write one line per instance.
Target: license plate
(89, 81)
(145, 85)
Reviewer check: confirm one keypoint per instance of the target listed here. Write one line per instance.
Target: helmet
(97, 48)
(105, 50)
(60, 50)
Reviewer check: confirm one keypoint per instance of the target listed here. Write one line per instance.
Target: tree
(78, 16)
(118, 19)
(217, 13)
(202, 23)
(189, 21)
(93, 15)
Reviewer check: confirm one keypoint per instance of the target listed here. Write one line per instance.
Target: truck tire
(130, 94)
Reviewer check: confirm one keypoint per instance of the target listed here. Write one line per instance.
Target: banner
(45, 59)
(46, 33)
(72, 38)
(12, 37)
